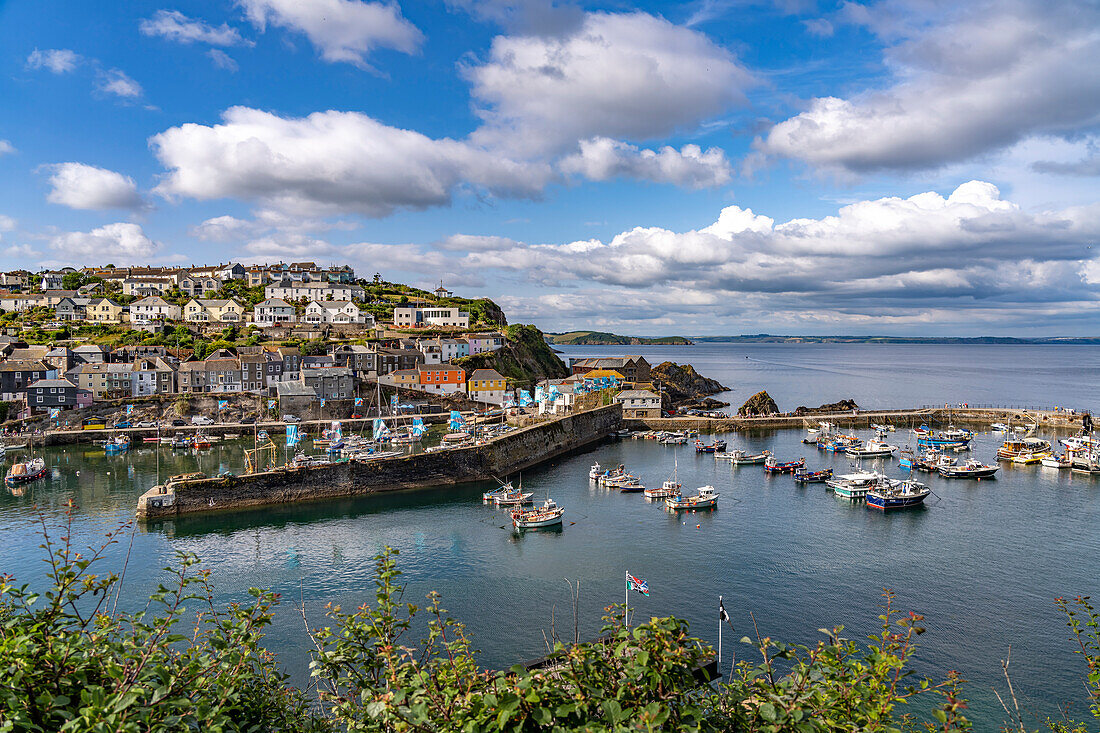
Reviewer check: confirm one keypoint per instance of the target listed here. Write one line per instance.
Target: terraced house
(154, 309)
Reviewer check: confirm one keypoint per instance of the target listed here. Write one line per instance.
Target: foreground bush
(70, 662)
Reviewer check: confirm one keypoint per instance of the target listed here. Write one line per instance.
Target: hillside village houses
(84, 373)
(294, 290)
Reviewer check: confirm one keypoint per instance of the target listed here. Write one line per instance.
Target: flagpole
(720, 635)
(626, 601)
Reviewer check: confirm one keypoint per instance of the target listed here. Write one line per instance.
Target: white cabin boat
(706, 498)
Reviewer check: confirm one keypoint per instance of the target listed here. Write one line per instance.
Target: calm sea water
(983, 561)
(887, 375)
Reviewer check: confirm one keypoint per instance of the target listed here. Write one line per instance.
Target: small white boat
(547, 515)
(873, 449)
(856, 485)
(999, 427)
(594, 472)
(1056, 462)
(518, 497)
(706, 498)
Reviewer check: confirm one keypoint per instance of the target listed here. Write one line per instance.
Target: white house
(336, 311)
(153, 309)
(148, 285)
(272, 312)
(21, 301)
(51, 280)
(294, 290)
(639, 403)
(417, 317)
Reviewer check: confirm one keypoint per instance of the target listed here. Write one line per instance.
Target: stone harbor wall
(505, 455)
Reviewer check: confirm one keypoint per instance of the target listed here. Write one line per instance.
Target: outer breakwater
(507, 454)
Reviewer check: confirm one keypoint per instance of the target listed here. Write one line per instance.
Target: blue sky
(796, 166)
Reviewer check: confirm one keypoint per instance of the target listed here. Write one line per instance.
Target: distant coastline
(602, 338)
(596, 338)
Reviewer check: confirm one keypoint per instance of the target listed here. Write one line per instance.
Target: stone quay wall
(507, 454)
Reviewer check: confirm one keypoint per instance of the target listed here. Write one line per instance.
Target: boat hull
(879, 501)
(687, 504)
(964, 473)
(25, 478)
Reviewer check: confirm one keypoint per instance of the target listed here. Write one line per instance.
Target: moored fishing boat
(671, 486)
(951, 438)
(594, 472)
(813, 477)
(999, 427)
(547, 515)
(706, 498)
(841, 443)
(773, 466)
(856, 485)
(873, 449)
(504, 488)
(116, 445)
(902, 496)
(1056, 462)
(25, 472)
(971, 469)
(631, 487)
(515, 497)
(180, 442)
(716, 446)
(201, 441)
(1027, 459)
(1013, 447)
(741, 458)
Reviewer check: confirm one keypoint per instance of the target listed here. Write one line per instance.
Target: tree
(72, 280)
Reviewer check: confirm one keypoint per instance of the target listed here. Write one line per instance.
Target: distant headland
(601, 338)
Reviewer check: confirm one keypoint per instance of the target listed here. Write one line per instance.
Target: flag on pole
(55, 412)
(292, 437)
(393, 404)
(323, 402)
(222, 404)
(271, 404)
(418, 426)
(358, 401)
(524, 398)
(722, 615)
(129, 409)
(457, 421)
(379, 428)
(637, 584)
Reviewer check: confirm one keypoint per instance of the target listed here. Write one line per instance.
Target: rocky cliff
(760, 403)
(683, 384)
(525, 358)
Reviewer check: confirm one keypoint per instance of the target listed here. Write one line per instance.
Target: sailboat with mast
(670, 488)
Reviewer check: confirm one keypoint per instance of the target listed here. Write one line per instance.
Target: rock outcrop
(842, 406)
(683, 385)
(760, 403)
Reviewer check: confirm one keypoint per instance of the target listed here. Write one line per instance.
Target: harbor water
(982, 561)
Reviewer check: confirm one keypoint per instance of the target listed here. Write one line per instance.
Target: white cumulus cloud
(120, 243)
(117, 82)
(175, 26)
(977, 78)
(602, 159)
(81, 186)
(56, 60)
(341, 30)
(222, 60)
(330, 162)
(6, 148)
(622, 76)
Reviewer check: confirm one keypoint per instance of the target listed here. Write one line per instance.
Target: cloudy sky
(713, 167)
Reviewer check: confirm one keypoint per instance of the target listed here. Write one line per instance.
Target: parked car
(248, 421)
(147, 424)
(201, 420)
(291, 418)
(177, 422)
(122, 424)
